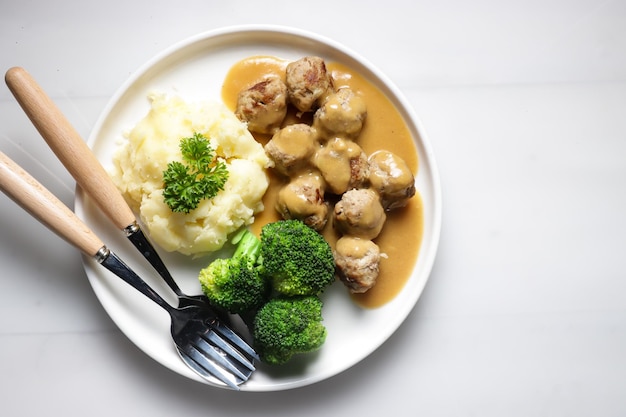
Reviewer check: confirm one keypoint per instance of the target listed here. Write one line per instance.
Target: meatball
(342, 114)
(308, 82)
(303, 199)
(263, 106)
(343, 164)
(359, 213)
(391, 177)
(292, 147)
(357, 262)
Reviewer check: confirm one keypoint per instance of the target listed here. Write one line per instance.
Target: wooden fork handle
(33, 197)
(69, 147)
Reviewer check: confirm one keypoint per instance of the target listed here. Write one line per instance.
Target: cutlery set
(201, 336)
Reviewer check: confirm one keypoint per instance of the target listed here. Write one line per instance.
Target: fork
(87, 171)
(201, 340)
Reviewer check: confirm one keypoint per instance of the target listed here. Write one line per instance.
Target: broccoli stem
(248, 245)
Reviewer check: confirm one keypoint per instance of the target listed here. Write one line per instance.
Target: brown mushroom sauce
(373, 126)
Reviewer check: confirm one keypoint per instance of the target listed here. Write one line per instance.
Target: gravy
(401, 236)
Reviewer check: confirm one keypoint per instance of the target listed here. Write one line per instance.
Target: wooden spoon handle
(33, 197)
(69, 147)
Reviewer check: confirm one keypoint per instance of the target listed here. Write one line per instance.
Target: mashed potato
(154, 142)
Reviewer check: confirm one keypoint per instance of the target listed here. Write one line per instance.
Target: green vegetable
(237, 284)
(202, 176)
(274, 283)
(284, 327)
(296, 258)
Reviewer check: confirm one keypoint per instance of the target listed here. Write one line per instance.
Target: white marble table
(525, 311)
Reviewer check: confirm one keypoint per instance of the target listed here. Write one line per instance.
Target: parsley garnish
(201, 177)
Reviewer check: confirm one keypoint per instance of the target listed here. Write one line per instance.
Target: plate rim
(424, 260)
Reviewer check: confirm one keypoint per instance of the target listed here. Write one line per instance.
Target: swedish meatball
(308, 82)
(359, 213)
(263, 106)
(391, 177)
(303, 199)
(342, 114)
(292, 147)
(358, 262)
(343, 164)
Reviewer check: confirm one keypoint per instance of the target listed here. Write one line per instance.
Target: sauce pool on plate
(384, 128)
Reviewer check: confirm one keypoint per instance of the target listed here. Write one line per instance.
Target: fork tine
(216, 340)
(214, 336)
(233, 337)
(199, 363)
(216, 355)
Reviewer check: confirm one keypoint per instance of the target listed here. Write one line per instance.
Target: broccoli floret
(296, 258)
(237, 284)
(287, 326)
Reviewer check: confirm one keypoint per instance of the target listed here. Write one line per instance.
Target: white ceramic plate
(195, 69)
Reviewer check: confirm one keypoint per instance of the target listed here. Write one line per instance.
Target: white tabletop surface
(524, 314)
